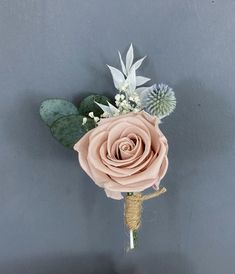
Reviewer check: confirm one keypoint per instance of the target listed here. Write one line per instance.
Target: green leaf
(69, 129)
(88, 105)
(53, 109)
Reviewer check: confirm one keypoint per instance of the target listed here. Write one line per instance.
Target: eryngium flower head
(160, 100)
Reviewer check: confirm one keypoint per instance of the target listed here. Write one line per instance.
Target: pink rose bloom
(127, 153)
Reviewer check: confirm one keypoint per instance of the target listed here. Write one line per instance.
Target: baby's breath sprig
(128, 103)
(92, 116)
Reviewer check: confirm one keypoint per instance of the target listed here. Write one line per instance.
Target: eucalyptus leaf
(88, 105)
(69, 129)
(53, 109)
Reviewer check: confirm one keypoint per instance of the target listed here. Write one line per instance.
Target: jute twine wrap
(134, 205)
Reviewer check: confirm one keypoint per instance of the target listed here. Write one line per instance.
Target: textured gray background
(53, 219)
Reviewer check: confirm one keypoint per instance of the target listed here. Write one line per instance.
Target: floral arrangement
(119, 142)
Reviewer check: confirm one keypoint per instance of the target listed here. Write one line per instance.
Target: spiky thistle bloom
(160, 100)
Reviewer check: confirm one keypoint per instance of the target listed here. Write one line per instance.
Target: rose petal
(113, 194)
(150, 173)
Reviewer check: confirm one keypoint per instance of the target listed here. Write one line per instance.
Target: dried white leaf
(138, 63)
(118, 77)
(129, 58)
(113, 108)
(122, 63)
(141, 89)
(140, 80)
(131, 81)
(110, 109)
(104, 108)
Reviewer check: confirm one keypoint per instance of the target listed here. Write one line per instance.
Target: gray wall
(53, 219)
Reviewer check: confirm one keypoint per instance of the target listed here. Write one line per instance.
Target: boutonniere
(119, 142)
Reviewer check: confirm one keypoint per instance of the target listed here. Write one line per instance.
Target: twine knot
(134, 206)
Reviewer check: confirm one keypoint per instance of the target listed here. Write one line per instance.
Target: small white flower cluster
(127, 103)
(84, 120)
(91, 115)
(96, 119)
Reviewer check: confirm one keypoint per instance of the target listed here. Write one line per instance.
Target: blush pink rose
(127, 153)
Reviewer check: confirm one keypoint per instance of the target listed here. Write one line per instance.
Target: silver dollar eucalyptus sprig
(159, 100)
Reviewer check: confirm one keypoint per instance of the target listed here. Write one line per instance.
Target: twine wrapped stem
(133, 210)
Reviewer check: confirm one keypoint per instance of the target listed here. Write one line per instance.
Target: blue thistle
(160, 100)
